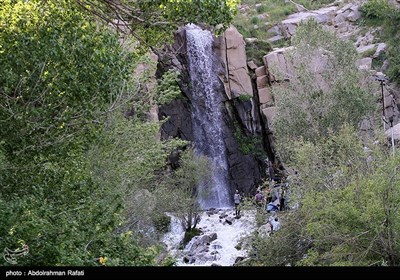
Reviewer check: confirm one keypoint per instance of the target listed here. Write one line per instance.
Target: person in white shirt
(275, 224)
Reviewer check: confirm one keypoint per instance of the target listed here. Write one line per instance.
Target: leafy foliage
(375, 9)
(59, 74)
(168, 87)
(67, 162)
(129, 160)
(152, 22)
(345, 192)
(382, 13)
(348, 212)
(81, 183)
(249, 144)
(256, 50)
(325, 91)
(183, 188)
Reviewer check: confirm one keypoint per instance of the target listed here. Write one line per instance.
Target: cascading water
(207, 116)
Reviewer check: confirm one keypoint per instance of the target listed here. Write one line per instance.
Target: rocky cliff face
(246, 88)
(245, 132)
(342, 19)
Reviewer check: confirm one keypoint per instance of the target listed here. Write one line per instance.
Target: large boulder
(278, 66)
(323, 15)
(231, 49)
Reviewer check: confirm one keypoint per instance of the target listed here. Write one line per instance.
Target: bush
(189, 234)
(162, 223)
(261, 8)
(256, 50)
(251, 144)
(347, 213)
(305, 103)
(255, 20)
(244, 97)
(168, 87)
(375, 9)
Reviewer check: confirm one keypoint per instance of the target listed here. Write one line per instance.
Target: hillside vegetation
(83, 173)
(344, 188)
(84, 176)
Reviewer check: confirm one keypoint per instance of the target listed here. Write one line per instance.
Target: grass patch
(255, 20)
(274, 12)
(251, 24)
(261, 8)
(380, 13)
(256, 50)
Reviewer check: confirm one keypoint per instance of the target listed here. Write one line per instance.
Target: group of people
(269, 198)
(272, 199)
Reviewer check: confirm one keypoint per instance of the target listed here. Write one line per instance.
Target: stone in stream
(229, 221)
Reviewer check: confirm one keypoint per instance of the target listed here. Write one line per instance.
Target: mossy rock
(189, 235)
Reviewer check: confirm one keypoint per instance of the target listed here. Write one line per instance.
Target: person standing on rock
(237, 198)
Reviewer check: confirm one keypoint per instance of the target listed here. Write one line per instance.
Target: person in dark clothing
(282, 200)
(271, 172)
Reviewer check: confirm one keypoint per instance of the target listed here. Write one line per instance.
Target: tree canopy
(72, 160)
(344, 193)
(152, 22)
(326, 89)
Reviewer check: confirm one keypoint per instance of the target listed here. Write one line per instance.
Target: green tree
(345, 195)
(71, 167)
(183, 186)
(62, 75)
(326, 90)
(168, 88)
(358, 224)
(385, 15)
(129, 160)
(347, 211)
(152, 22)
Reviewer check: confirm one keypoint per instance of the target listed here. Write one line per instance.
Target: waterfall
(207, 117)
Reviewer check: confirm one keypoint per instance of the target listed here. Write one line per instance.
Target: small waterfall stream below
(218, 243)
